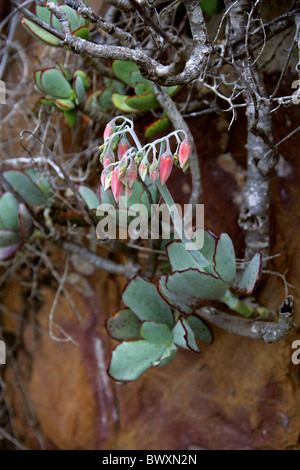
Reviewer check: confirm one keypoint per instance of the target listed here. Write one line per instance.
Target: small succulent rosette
(62, 90)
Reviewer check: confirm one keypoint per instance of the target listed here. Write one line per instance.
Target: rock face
(237, 394)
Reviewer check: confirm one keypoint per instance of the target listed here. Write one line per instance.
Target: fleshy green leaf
(142, 103)
(25, 187)
(72, 16)
(85, 79)
(55, 84)
(119, 101)
(8, 238)
(158, 333)
(181, 259)
(200, 330)
(122, 70)
(130, 359)
(79, 89)
(183, 335)
(157, 127)
(9, 211)
(41, 34)
(224, 258)
(43, 13)
(142, 88)
(71, 117)
(89, 196)
(41, 181)
(82, 32)
(65, 105)
(143, 299)
(251, 276)
(186, 289)
(124, 325)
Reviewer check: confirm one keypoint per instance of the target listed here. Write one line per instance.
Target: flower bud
(123, 147)
(143, 169)
(109, 129)
(104, 175)
(108, 159)
(116, 185)
(184, 152)
(165, 167)
(153, 170)
(131, 174)
(107, 181)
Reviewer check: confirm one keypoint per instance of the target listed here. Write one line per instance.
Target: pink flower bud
(153, 171)
(143, 169)
(109, 130)
(131, 174)
(116, 185)
(184, 152)
(165, 167)
(108, 159)
(123, 147)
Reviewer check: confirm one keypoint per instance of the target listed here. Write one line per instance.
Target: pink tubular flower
(165, 167)
(109, 130)
(116, 185)
(184, 152)
(123, 147)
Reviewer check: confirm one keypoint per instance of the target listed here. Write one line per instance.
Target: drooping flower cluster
(121, 171)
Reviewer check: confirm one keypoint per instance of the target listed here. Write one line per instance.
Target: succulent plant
(31, 185)
(143, 98)
(150, 333)
(211, 277)
(161, 317)
(79, 26)
(15, 225)
(61, 90)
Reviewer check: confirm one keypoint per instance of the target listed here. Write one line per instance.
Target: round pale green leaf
(251, 275)
(224, 258)
(158, 333)
(55, 84)
(124, 325)
(130, 359)
(9, 211)
(122, 70)
(89, 196)
(25, 187)
(143, 299)
(200, 330)
(180, 258)
(72, 16)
